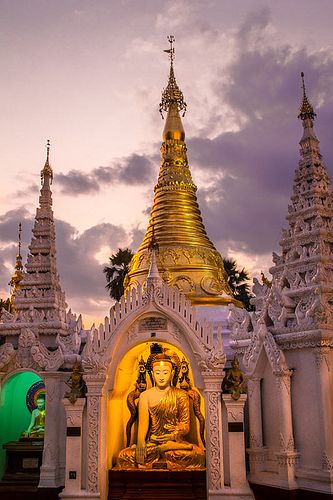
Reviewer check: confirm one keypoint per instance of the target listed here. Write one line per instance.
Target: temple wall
(270, 419)
(305, 406)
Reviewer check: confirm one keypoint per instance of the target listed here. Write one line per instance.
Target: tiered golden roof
(186, 258)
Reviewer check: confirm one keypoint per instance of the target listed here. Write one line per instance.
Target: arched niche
(131, 333)
(118, 413)
(14, 413)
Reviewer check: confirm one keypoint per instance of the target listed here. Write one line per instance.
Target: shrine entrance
(154, 478)
(20, 457)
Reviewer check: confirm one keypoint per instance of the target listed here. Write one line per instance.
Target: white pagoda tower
(286, 344)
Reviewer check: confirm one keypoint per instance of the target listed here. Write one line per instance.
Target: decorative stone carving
(47, 360)
(214, 437)
(325, 462)
(7, 353)
(321, 355)
(286, 445)
(93, 402)
(239, 321)
(213, 362)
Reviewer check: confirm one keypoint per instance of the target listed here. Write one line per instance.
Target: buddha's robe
(170, 415)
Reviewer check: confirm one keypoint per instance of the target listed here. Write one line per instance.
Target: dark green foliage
(115, 273)
(238, 282)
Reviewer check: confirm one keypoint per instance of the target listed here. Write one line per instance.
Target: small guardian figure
(234, 382)
(77, 385)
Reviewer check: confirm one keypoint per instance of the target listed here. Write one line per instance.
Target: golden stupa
(186, 257)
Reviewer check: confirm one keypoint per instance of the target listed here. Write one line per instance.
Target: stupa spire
(301, 287)
(38, 319)
(172, 102)
(40, 285)
(172, 95)
(187, 258)
(306, 109)
(18, 272)
(47, 172)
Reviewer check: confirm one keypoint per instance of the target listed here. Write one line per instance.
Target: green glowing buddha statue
(36, 428)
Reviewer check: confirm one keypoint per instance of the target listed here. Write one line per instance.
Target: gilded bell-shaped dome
(186, 258)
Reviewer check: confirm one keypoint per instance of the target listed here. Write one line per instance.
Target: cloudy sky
(88, 75)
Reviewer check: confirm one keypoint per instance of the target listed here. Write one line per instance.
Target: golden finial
(171, 51)
(306, 109)
(172, 93)
(265, 281)
(47, 170)
(20, 239)
(18, 275)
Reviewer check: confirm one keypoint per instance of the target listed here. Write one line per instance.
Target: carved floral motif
(214, 470)
(93, 442)
(7, 353)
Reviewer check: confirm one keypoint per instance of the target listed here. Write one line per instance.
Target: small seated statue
(77, 385)
(36, 428)
(163, 423)
(234, 382)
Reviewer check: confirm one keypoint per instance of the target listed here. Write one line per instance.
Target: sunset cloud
(131, 171)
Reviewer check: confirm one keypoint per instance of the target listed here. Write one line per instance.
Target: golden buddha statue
(36, 428)
(163, 424)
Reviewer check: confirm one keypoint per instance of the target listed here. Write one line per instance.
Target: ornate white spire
(39, 302)
(40, 286)
(47, 336)
(300, 296)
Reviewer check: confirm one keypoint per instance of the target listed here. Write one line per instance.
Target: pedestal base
(231, 494)
(27, 492)
(158, 484)
(262, 492)
(24, 459)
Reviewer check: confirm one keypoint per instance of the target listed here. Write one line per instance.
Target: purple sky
(88, 75)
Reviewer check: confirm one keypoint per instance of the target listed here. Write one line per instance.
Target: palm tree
(238, 282)
(116, 272)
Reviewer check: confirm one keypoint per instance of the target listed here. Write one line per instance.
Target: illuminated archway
(117, 411)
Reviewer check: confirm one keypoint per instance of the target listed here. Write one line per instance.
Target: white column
(73, 475)
(214, 441)
(239, 486)
(287, 456)
(50, 474)
(324, 390)
(257, 453)
(94, 450)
